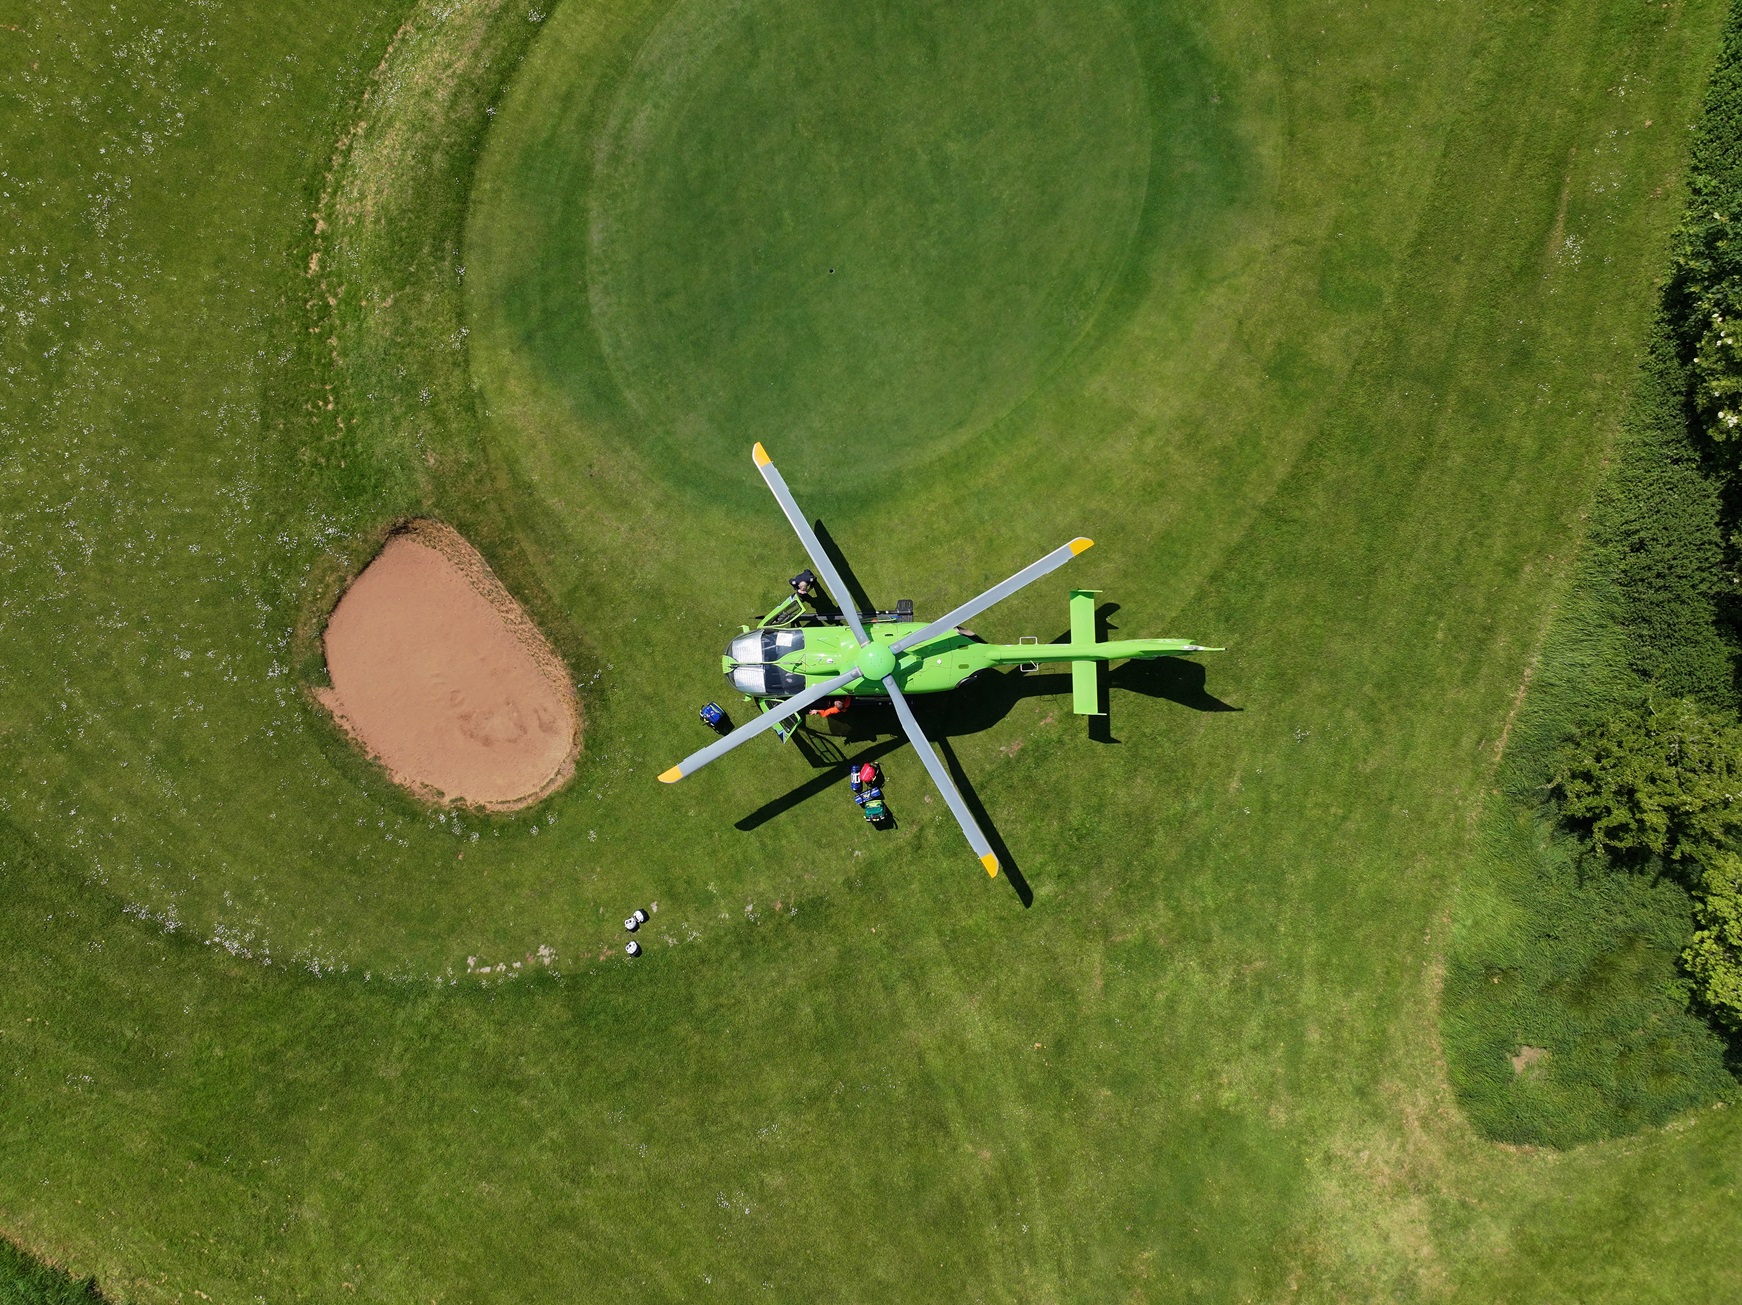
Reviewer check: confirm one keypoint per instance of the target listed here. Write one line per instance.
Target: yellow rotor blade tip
(1080, 544)
(672, 776)
(761, 455)
(991, 863)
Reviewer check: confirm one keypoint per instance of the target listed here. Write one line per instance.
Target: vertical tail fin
(1085, 676)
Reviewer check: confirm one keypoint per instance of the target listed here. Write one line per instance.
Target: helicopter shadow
(1168, 678)
(1171, 679)
(974, 708)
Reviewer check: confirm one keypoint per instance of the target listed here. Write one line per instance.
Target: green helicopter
(796, 659)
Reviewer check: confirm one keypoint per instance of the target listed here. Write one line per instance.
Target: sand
(441, 677)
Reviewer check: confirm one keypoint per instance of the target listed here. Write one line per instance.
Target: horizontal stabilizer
(1086, 689)
(1085, 677)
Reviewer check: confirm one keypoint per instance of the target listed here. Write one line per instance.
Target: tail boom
(1084, 652)
(1014, 654)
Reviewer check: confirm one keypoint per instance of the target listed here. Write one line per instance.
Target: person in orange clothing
(835, 708)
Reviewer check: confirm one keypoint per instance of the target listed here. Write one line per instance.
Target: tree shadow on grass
(31, 1282)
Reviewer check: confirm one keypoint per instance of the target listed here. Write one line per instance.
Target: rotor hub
(876, 662)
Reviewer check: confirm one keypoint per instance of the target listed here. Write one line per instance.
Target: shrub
(1664, 779)
(1714, 957)
(1717, 377)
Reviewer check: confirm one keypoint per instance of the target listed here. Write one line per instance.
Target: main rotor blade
(812, 546)
(996, 594)
(941, 778)
(765, 721)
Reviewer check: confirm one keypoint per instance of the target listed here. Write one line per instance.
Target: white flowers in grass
(544, 957)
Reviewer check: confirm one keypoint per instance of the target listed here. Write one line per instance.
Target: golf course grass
(1321, 321)
(826, 220)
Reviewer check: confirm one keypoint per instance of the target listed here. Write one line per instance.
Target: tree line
(1657, 781)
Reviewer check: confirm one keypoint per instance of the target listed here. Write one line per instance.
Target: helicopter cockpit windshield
(765, 645)
(762, 681)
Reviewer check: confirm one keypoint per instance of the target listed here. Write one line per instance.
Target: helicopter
(796, 659)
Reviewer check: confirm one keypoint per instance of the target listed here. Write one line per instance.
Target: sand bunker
(440, 675)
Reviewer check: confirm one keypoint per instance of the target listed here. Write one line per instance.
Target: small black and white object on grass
(634, 948)
(640, 916)
(631, 924)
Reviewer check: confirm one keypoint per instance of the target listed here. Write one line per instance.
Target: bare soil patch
(442, 677)
(1527, 1059)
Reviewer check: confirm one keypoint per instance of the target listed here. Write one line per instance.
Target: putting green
(829, 225)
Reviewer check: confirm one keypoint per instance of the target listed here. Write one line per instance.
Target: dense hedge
(1561, 947)
(1657, 549)
(1674, 503)
(1704, 297)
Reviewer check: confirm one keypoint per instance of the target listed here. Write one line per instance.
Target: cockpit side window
(784, 684)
